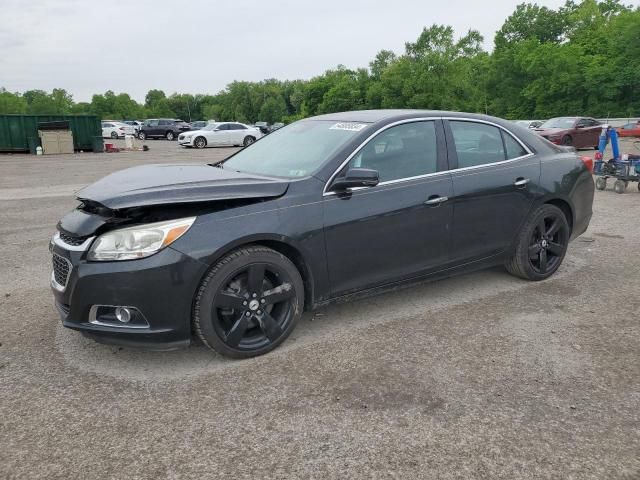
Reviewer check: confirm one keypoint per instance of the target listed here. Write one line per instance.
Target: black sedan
(318, 211)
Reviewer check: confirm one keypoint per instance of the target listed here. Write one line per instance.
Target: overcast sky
(199, 46)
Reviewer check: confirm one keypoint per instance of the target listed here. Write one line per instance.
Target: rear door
(237, 133)
(399, 228)
(494, 179)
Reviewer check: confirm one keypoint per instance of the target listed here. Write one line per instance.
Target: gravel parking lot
(479, 376)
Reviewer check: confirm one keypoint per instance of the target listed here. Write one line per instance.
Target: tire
(601, 183)
(114, 135)
(241, 309)
(248, 140)
(142, 136)
(200, 142)
(541, 244)
(170, 135)
(567, 140)
(619, 186)
(638, 186)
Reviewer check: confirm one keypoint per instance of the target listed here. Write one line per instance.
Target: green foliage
(580, 59)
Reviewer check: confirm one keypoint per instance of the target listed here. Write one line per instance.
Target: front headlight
(139, 241)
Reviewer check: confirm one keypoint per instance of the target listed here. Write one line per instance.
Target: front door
(494, 183)
(399, 228)
(221, 135)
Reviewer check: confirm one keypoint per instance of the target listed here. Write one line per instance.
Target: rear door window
(477, 143)
(513, 147)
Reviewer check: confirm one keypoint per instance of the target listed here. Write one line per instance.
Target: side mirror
(356, 177)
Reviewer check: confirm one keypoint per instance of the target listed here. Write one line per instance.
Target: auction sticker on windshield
(352, 127)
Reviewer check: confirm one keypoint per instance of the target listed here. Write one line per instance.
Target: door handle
(436, 200)
(521, 182)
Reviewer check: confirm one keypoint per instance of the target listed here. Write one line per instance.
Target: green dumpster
(15, 130)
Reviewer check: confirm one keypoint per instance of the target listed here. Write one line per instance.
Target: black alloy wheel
(547, 244)
(542, 244)
(249, 302)
(566, 140)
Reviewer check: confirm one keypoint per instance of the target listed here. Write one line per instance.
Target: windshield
(211, 126)
(561, 122)
(296, 150)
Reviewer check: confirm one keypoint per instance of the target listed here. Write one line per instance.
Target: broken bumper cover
(159, 288)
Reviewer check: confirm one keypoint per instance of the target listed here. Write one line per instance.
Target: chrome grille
(61, 270)
(69, 240)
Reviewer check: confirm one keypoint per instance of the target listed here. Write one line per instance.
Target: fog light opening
(123, 314)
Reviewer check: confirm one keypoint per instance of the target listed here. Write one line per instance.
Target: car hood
(171, 184)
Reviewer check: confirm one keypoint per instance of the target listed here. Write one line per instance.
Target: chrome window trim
(73, 248)
(500, 162)
(326, 193)
(361, 146)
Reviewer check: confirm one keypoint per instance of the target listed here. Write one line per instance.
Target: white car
(220, 134)
(135, 124)
(111, 129)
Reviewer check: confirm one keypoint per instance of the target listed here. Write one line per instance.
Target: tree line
(580, 59)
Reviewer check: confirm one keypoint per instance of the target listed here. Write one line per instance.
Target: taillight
(588, 162)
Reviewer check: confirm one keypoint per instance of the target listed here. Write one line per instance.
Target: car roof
(386, 116)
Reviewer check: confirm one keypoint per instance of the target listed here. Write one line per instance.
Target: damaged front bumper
(158, 290)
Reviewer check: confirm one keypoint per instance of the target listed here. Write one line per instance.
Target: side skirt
(481, 264)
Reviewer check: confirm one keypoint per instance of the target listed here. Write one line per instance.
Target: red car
(629, 130)
(579, 132)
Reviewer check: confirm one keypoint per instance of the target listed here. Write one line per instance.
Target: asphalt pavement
(478, 376)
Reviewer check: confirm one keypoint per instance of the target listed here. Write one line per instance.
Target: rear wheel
(541, 245)
(601, 183)
(567, 140)
(249, 302)
(200, 142)
(114, 135)
(248, 140)
(170, 135)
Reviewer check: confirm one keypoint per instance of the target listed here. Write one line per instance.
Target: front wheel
(249, 302)
(248, 140)
(114, 135)
(601, 183)
(541, 244)
(142, 136)
(170, 135)
(200, 142)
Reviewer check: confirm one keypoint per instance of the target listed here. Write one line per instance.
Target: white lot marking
(336, 321)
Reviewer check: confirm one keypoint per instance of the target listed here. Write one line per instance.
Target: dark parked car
(317, 211)
(578, 132)
(168, 128)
